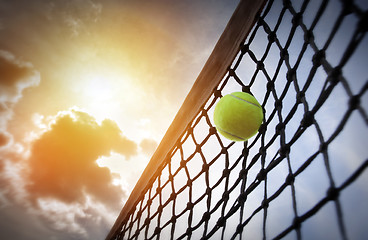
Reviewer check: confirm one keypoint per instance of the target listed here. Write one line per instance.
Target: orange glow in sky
(87, 91)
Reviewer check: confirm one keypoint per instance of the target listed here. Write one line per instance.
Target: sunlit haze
(88, 89)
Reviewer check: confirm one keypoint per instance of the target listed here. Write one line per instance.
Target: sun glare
(99, 90)
(98, 87)
(101, 86)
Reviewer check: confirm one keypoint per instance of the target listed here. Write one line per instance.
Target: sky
(87, 91)
(89, 88)
(344, 154)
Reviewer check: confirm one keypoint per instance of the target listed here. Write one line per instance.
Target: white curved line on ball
(245, 101)
(231, 134)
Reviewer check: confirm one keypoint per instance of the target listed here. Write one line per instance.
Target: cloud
(50, 219)
(88, 221)
(75, 15)
(16, 223)
(15, 76)
(148, 146)
(57, 222)
(59, 165)
(4, 138)
(62, 163)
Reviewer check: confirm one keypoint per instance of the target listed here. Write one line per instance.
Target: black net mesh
(303, 175)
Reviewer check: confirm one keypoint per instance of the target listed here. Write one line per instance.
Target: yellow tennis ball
(238, 116)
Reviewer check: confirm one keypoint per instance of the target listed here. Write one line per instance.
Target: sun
(99, 90)
(98, 87)
(101, 86)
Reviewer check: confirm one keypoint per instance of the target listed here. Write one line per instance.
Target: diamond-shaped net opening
(304, 174)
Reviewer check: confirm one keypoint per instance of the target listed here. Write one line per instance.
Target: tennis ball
(238, 116)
